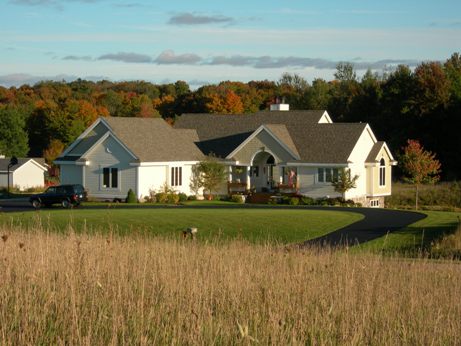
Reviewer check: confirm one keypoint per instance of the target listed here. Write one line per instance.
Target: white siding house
(28, 173)
(115, 155)
(287, 151)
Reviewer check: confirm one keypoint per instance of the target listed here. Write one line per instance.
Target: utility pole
(13, 162)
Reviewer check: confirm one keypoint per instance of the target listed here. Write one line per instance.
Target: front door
(263, 165)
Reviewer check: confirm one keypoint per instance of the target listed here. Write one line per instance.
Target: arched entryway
(262, 171)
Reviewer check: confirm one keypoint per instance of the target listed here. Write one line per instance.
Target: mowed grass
(417, 237)
(254, 225)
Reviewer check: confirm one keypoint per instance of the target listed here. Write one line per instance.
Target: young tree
(344, 182)
(419, 165)
(212, 173)
(195, 180)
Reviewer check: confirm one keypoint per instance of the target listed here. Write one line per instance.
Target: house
(29, 172)
(290, 151)
(115, 155)
(296, 151)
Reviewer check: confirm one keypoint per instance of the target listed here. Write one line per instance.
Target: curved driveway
(375, 224)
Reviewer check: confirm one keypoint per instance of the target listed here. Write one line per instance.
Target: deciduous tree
(13, 137)
(212, 173)
(344, 182)
(420, 166)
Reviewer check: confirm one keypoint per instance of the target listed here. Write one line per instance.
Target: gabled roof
(211, 126)
(39, 162)
(146, 139)
(281, 132)
(374, 152)
(281, 129)
(300, 130)
(153, 140)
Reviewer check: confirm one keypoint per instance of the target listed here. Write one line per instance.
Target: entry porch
(263, 174)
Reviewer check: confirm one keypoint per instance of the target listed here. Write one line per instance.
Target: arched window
(382, 172)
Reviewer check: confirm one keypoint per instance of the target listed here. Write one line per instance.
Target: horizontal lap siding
(263, 139)
(71, 174)
(306, 176)
(109, 154)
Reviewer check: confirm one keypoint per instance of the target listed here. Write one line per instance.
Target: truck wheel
(65, 203)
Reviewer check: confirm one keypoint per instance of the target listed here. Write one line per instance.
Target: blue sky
(210, 41)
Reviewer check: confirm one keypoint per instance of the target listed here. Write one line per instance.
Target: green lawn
(254, 225)
(418, 236)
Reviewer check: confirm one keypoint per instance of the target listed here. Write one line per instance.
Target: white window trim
(119, 179)
(173, 182)
(325, 182)
(382, 174)
(374, 203)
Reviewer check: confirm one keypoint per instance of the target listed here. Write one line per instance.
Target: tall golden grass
(95, 289)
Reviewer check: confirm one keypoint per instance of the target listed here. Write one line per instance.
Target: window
(254, 170)
(176, 176)
(110, 177)
(374, 203)
(382, 173)
(321, 174)
(327, 175)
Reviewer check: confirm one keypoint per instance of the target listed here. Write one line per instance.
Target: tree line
(400, 104)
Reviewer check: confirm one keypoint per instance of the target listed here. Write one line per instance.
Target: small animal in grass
(190, 231)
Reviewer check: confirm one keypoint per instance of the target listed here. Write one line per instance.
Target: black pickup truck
(66, 195)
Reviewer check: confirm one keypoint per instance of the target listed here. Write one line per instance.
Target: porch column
(280, 174)
(248, 178)
(230, 174)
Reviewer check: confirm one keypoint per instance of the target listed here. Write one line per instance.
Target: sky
(208, 41)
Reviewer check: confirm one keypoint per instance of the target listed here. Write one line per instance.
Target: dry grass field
(103, 289)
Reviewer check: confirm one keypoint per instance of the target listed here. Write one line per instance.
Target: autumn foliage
(403, 103)
(420, 166)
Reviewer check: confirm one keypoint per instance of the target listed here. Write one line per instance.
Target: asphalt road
(375, 224)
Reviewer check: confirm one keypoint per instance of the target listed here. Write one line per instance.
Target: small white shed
(29, 172)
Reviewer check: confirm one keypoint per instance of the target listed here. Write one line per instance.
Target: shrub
(274, 200)
(131, 197)
(161, 197)
(150, 198)
(35, 189)
(307, 200)
(294, 201)
(285, 200)
(192, 198)
(238, 199)
(182, 197)
(172, 198)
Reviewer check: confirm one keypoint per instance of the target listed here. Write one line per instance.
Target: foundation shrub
(238, 198)
(294, 201)
(131, 197)
(182, 197)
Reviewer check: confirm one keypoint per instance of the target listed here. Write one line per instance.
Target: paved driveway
(375, 224)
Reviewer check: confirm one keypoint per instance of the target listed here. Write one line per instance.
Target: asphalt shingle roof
(374, 151)
(315, 143)
(153, 140)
